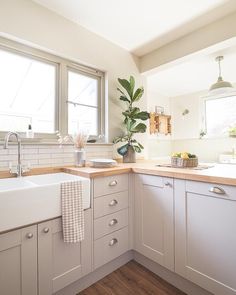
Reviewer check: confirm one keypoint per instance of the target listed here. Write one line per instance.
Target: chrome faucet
(19, 169)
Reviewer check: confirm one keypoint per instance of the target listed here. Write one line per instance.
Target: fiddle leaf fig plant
(133, 116)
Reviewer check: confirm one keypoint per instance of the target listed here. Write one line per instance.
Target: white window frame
(61, 106)
(204, 115)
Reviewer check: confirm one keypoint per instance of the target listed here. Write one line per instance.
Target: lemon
(184, 155)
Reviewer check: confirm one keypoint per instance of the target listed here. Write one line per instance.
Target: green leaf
(120, 91)
(134, 111)
(123, 149)
(132, 84)
(124, 98)
(137, 149)
(138, 94)
(142, 116)
(130, 124)
(141, 146)
(125, 84)
(126, 113)
(140, 128)
(117, 139)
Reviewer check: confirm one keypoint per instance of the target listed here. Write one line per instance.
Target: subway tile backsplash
(49, 155)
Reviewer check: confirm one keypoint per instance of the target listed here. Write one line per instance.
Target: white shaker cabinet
(154, 218)
(59, 263)
(18, 262)
(35, 260)
(205, 232)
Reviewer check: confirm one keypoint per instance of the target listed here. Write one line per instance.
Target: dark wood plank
(132, 279)
(95, 289)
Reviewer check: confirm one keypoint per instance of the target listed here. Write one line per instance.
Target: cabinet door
(61, 264)
(18, 262)
(154, 229)
(205, 235)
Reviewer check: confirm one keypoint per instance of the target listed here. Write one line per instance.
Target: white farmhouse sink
(14, 184)
(32, 199)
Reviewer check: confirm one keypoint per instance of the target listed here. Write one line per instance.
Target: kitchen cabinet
(59, 263)
(205, 245)
(111, 218)
(18, 262)
(35, 260)
(154, 218)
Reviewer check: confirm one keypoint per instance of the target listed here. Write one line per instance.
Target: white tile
(8, 157)
(30, 156)
(30, 151)
(43, 156)
(4, 164)
(58, 155)
(44, 161)
(45, 151)
(3, 152)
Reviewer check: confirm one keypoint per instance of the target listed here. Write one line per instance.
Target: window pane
(82, 89)
(27, 93)
(220, 114)
(82, 117)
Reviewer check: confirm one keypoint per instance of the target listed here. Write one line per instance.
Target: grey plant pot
(130, 156)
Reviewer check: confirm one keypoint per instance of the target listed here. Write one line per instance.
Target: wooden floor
(131, 279)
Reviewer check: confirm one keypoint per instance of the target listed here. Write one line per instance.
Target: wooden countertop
(220, 173)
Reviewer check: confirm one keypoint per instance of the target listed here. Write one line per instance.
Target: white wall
(186, 129)
(27, 21)
(157, 145)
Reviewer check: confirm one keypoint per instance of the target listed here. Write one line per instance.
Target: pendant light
(220, 86)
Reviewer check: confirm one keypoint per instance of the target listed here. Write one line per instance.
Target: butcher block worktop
(220, 173)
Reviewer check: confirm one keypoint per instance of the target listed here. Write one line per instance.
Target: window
(27, 93)
(48, 92)
(220, 114)
(83, 102)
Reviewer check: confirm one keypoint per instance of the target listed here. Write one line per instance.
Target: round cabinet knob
(167, 183)
(29, 236)
(113, 222)
(113, 203)
(46, 230)
(113, 242)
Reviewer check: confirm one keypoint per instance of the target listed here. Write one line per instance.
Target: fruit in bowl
(184, 155)
(184, 159)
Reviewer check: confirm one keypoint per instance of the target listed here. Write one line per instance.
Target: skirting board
(172, 278)
(169, 276)
(96, 275)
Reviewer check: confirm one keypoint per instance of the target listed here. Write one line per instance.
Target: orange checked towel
(72, 211)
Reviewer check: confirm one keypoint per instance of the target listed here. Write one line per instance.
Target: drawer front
(110, 223)
(110, 247)
(110, 204)
(111, 184)
(212, 189)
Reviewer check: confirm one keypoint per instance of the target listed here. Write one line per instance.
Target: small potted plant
(132, 117)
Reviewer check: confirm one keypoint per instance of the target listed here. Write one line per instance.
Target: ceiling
(141, 26)
(194, 75)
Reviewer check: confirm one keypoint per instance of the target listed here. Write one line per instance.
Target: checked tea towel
(72, 211)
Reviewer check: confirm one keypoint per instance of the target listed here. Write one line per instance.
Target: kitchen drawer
(110, 223)
(110, 204)
(212, 189)
(110, 247)
(111, 184)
